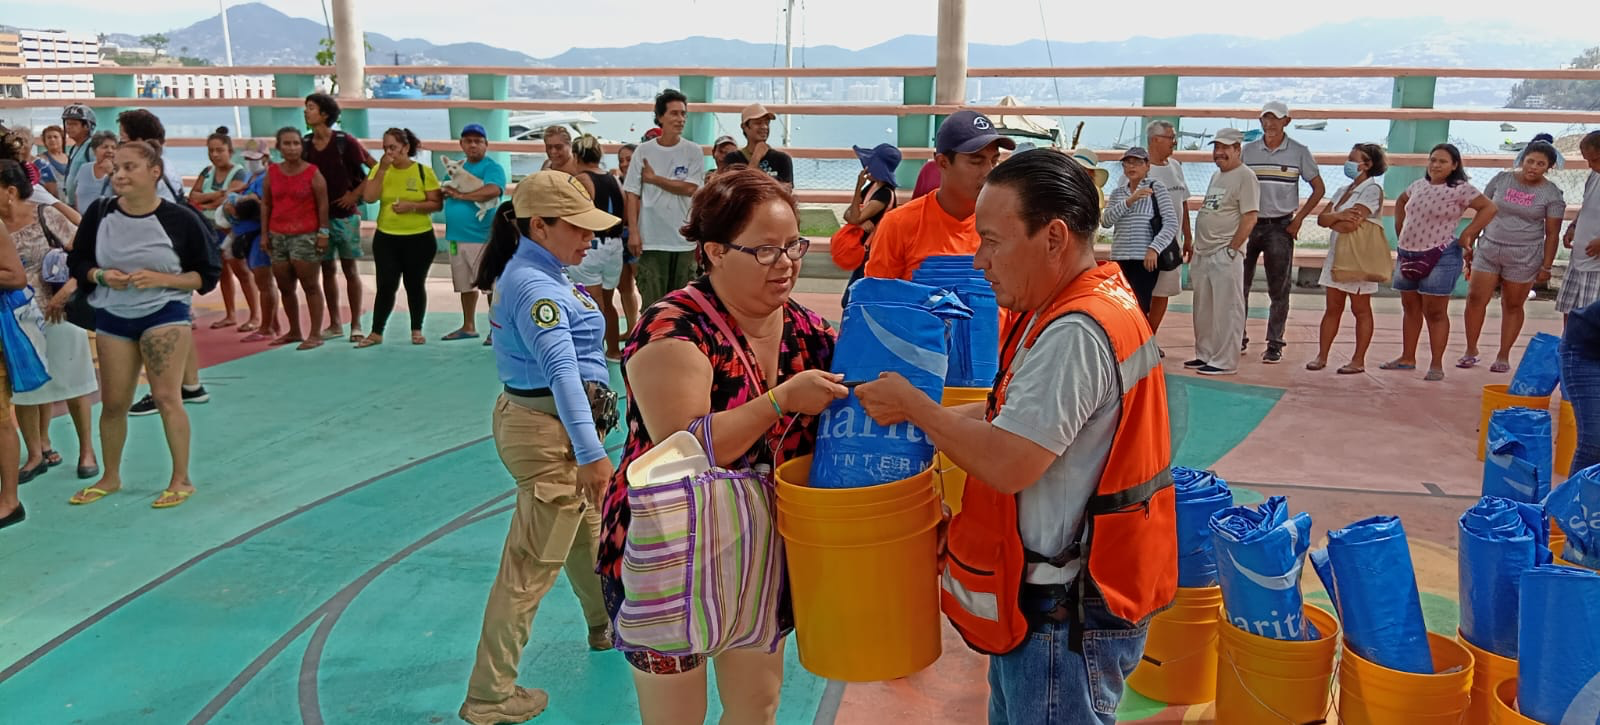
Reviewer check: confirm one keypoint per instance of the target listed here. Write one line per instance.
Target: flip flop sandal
(369, 341)
(332, 334)
(52, 458)
(1397, 365)
(1434, 376)
(356, 336)
(1351, 370)
(249, 327)
(460, 335)
(257, 337)
(1500, 367)
(1467, 362)
(1316, 365)
(89, 495)
(219, 324)
(170, 498)
(418, 339)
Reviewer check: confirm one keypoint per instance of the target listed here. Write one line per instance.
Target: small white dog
(464, 182)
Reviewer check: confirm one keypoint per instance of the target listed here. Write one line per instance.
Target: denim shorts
(110, 325)
(1441, 282)
(1044, 682)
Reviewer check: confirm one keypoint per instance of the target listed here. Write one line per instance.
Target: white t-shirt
(1588, 224)
(662, 212)
(1171, 176)
(1064, 398)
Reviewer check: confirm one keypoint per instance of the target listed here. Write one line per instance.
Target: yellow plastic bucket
(794, 485)
(1566, 439)
(1496, 398)
(952, 480)
(1264, 680)
(856, 511)
(1179, 666)
(1488, 670)
(1503, 708)
(1370, 694)
(866, 590)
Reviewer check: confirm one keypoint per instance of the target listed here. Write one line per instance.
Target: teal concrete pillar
(1159, 91)
(702, 127)
(354, 122)
(914, 131)
(265, 122)
(1408, 136)
(112, 86)
(497, 122)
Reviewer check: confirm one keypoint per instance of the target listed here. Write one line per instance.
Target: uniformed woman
(549, 424)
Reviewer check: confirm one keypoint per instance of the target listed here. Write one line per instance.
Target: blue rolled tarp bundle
(1367, 572)
(1575, 505)
(1539, 371)
(975, 342)
(1559, 671)
(1517, 461)
(1199, 495)
(1499, 540)
(890, 326)
(1260, 553)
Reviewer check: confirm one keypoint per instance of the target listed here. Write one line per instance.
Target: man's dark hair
(1591, 141)
(325, 104)
(668, 96)
(142, 125)
(1050, 186)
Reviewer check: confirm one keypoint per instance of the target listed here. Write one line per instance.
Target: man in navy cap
(466, 226)
(941, 223)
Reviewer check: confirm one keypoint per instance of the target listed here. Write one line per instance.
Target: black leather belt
(1285, 219)
(1039, 598)
(529, 392)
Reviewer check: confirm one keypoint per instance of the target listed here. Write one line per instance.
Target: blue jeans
(1044, 682)
(1580, 385)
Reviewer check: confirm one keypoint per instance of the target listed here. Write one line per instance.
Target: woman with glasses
(679, 368)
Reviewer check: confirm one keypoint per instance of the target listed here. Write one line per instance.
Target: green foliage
(327, 57)
(158, 41)
(1563, 94)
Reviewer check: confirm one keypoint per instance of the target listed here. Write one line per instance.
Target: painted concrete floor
(351, 510)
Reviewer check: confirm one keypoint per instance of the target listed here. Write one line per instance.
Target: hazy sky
(523, 25)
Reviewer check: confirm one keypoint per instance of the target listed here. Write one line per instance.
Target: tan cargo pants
(553, 527)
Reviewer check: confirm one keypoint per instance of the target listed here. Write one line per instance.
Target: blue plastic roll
(1498, 541)
(1260, 554)
(974, 342)
(1517, 460)
(1558, 682)
(890, 326)
(1575, 505)
(1539, 371)
(1376, 591)
(1199, 495)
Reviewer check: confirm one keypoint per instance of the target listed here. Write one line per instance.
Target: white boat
(1510, 145)
(1312, 125)
(1507, 128)
(531, 126)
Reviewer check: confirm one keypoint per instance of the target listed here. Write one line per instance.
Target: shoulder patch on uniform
(546, 314)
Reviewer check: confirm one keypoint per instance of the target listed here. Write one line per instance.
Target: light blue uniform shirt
(549, 334)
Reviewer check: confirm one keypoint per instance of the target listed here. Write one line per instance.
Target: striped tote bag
(703, 563)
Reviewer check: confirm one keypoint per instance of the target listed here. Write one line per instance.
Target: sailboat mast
(788, 62)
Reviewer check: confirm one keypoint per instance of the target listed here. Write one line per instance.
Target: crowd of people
(687, 278)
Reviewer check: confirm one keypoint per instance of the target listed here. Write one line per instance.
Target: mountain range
(278, 39)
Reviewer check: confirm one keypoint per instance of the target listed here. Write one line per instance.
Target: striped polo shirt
(1280, 171)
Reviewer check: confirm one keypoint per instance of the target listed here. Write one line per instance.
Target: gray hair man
(1279, 163)
(1161, 139)
(1226, 219)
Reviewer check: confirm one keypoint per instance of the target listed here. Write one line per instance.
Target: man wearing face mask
(1279, 163)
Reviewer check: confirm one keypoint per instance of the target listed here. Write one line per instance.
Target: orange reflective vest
(1129, 532)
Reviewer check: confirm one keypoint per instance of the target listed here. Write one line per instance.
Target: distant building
(46, 48)
(178, 84)
(10, 65)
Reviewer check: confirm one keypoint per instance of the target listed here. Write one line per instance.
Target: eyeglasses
(767, 254)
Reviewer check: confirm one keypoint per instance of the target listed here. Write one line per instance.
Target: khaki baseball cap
(559, 194)
(753, 112)
(1228, 137)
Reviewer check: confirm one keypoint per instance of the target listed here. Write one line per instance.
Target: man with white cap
(1279, 163)
(756, 123)
(943, 222)
(1228, 214)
